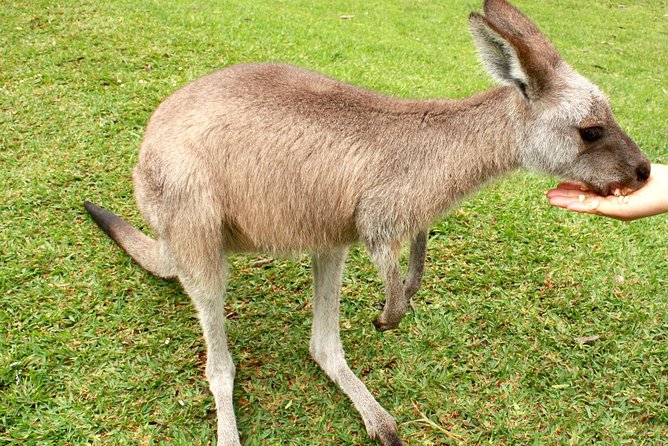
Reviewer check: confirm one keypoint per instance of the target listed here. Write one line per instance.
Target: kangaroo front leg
(327, 351)
(416, 260)
(398, 292)
(386, 258)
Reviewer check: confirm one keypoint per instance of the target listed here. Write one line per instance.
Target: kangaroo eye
(591, 134)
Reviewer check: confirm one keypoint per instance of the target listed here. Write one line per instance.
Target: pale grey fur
(269, 157)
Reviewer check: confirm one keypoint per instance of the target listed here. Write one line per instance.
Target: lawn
(93, 350)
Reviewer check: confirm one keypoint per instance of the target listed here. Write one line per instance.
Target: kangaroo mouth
(623, 180)
(616, 189)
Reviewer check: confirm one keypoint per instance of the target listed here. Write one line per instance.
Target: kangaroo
(270, 157)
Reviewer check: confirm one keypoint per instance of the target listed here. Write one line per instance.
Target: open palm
(651, 199)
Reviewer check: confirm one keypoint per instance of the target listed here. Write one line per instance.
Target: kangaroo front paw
(383, 323)
(391, 439)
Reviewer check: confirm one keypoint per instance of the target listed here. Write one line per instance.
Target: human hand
(651, 199)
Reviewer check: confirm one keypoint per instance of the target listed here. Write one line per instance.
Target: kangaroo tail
(144, 250)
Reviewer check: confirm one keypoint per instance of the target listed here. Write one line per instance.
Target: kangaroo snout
(643, 172)
(639, 166)
(639, 172)
(611, 162)
(633, 178)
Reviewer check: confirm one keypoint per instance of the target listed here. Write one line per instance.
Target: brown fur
(336, 165)
(270, 157)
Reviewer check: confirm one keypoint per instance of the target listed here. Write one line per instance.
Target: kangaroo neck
(462, 144)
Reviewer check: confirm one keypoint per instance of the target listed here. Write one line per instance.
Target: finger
(591, 207)
(571, 190)
(562, 193)
(572, 185)
(562, 201)
(595, 205)
(573, 203)
(571, 194)
(606, 207)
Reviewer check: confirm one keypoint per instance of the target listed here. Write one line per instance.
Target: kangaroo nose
(643, 171)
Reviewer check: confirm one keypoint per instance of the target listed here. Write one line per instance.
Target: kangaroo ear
(498, 56)
(513, 49)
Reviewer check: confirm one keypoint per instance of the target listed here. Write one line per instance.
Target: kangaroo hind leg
(327, 351)
(203, 273)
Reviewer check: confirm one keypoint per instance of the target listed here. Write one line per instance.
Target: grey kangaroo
(269, 157)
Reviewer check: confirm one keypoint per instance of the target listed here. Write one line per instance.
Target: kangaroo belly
(286, 208)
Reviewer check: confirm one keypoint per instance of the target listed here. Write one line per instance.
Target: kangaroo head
(566, 124)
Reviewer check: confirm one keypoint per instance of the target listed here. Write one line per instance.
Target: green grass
(95, 351)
